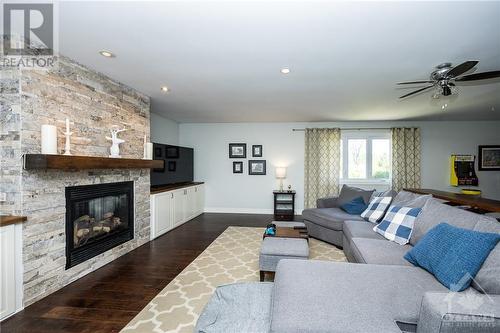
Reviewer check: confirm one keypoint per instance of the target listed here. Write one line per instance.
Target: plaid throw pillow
(397, 224)
(376, 209)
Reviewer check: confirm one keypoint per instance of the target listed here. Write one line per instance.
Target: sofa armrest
(467, 311)
(330, 202)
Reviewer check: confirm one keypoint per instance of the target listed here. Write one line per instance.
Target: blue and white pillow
(376, 209)
(397, 224)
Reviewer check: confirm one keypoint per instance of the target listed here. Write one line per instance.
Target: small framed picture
(489, 158)
(257, 167)
(237, 150)
(257, 151)
(237, 167)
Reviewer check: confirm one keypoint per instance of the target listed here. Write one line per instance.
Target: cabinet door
(179, 205)
(163, 212)
(200, 199)
(7, 271)
(191, 202)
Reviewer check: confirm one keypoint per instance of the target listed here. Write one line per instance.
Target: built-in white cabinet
(10, 279)
(170, 209)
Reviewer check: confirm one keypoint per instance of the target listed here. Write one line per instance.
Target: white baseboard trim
(231, 210)
(238, 210)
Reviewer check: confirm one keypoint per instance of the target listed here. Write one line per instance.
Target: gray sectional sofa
(326, 222)
(377, 291)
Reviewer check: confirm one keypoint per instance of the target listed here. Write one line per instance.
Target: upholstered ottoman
(274, 249)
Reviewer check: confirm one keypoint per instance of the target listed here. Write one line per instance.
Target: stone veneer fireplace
(94, 103)
(98, 218)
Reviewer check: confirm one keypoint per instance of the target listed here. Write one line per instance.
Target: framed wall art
(489, 158)
(257, 167)
(237, 150)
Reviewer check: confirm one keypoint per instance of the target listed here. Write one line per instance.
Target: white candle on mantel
(149, 150)
(49, 139)
(67, 125)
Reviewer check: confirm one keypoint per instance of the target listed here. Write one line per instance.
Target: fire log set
(87, 227)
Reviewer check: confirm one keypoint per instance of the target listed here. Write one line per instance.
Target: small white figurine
(68, 139)
(115, 148)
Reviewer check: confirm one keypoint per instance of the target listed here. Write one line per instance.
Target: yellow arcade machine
(462, 170)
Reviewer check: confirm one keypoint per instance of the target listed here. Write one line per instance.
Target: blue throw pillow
(453, 255)
(355, 206)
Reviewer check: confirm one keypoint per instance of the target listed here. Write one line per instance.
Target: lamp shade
(280, 173)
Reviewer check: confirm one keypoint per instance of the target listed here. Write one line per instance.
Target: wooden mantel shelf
(64, 162)
(9, 219)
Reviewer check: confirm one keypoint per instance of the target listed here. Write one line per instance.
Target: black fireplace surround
(98, 218)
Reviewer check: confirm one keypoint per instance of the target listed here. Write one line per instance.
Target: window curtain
(321, 164)
(405, 158)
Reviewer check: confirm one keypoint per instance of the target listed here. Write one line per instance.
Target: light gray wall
(164, 130)
(230, 192)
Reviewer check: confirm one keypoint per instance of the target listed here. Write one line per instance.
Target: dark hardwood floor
(107, 299)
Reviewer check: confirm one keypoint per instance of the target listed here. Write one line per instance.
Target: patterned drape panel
(321, 165)
(405, 158)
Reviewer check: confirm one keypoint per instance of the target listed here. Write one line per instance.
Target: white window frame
(369, 135)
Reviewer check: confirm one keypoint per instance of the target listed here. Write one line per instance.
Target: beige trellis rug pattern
(232, 257)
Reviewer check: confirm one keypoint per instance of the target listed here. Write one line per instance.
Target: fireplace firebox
(98, 218)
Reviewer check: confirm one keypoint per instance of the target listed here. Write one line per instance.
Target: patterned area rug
(232, 257)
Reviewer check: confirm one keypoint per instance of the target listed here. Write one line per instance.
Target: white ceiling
(222, 60)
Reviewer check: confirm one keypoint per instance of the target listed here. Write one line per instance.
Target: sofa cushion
(397, 224)
(324, 299)
(379, 252)
(435, 212)
(238, 307)
(348, 193)
(389, 193)
(487, 279)
(376, 209)
(453, 255)
(331, 218)
(409, 199)
(355, 206)
(360, 229)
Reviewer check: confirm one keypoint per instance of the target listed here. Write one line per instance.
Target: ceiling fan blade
(417, 91)
(462, 68)
(479, 76)
(415, 82)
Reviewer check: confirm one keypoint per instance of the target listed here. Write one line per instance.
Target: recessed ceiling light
(285, 70)
(106, 54)
(165, 89)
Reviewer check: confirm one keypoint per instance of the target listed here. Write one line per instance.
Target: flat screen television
(178, 167)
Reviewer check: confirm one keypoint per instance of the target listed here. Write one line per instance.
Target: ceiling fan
(445, 76)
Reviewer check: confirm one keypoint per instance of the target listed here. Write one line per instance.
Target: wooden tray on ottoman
(290, 232)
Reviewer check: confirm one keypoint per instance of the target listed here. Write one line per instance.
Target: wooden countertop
(9, 219)
(166, 188)
(474, 201)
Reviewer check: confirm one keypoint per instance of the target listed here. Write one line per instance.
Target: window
(365, 155)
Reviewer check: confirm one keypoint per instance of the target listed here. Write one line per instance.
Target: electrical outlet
(3, 196)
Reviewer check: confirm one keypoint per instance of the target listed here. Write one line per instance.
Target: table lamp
(281, 174)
